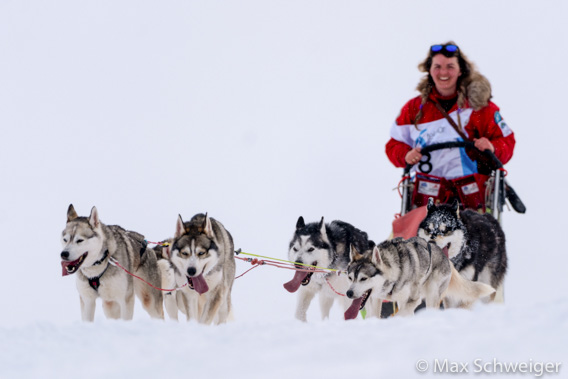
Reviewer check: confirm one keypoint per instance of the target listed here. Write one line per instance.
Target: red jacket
(485, 122)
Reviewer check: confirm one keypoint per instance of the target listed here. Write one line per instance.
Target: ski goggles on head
(449, 50)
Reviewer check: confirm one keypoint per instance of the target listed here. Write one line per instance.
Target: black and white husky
(475, 242)
(323, 245)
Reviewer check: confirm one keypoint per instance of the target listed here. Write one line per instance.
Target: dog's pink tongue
(352, 311)
(64, 265)
(296, 282)
(199, 284)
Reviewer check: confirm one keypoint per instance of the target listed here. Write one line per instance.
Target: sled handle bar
(454, 144)
(448, 145)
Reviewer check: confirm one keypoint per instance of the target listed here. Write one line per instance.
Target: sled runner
(485, 194)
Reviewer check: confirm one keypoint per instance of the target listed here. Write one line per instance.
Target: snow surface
(259, 112)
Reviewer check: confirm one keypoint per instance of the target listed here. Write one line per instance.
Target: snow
(286, 348)
(258, 112)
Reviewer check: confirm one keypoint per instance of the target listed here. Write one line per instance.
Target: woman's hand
(413, 156)
(483, 144)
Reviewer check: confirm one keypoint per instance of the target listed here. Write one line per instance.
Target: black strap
(95, 282)
(514, 199)
(143, 248)
(105, 255)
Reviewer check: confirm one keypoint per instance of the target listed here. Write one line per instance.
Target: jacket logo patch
(502, 125)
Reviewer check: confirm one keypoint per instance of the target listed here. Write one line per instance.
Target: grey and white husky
(201, 255)
(407, 272)
(323, 245)
(88, 246)
(475, 242)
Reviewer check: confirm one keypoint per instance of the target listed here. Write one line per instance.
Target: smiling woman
(453, 105)
(445, 73)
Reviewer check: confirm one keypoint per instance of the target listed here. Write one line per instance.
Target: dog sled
(483, 193)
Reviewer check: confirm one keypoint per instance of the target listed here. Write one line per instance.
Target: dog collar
(95, 282)
(105, 255)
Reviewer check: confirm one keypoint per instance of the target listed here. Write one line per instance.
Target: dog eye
(65, 240)
(184, 253)
(201, 253)
(310, 249)
(295, 249)
(79, 240)
(363, 279)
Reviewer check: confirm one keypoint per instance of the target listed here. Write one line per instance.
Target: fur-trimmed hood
(475, 88)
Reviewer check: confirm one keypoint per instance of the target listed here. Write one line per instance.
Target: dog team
(456, 258)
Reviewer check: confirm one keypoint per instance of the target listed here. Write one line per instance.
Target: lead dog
(408, 271)
(201, 255)
(88, 246)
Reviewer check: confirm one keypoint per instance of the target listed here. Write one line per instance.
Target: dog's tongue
(199, 284)
(296, 282)
(64, 265)
(353, 310)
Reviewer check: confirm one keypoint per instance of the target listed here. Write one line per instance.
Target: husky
(322, 245)
(407, 272)
(88, 247)
(475, 242)
(201, 258)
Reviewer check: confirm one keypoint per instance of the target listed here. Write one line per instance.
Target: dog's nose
(349, 294)
(64, 254)
(191, 271)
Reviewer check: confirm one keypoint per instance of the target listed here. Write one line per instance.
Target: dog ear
(71, 214)
(431, 207)
(300, 223)
(456, 207)
(376, 257)
(208, 227)
(180, 228)
(94, 220)
(166, 251)
(323, 230)
(354, 254)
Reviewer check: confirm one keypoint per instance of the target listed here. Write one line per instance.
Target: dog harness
(142, 249)
(95, 282)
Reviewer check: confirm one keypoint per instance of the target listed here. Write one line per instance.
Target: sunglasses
(448, 50)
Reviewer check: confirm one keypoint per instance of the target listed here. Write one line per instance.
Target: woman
(453, 105)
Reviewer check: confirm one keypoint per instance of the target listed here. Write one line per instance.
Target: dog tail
(463, 292)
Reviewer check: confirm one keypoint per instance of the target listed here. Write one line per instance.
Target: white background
(258, 112)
